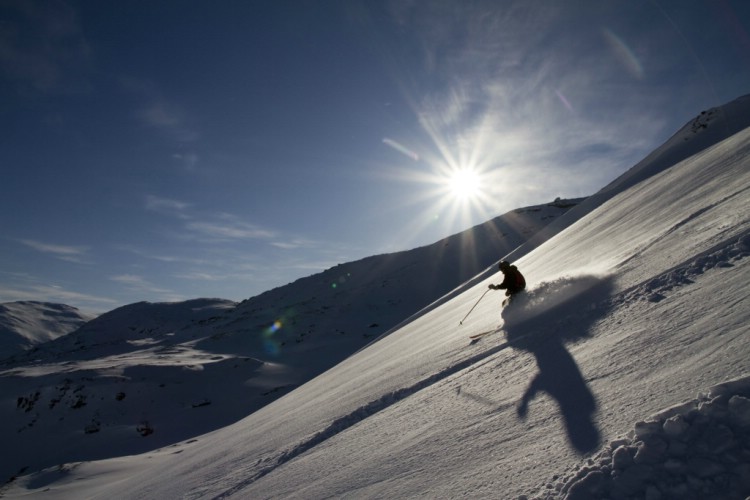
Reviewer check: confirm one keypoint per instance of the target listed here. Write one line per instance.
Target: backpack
(520, 281)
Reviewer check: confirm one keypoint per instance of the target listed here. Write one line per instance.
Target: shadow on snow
(540, 321)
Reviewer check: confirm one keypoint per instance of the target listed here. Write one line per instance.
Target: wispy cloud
(158, 112)
(230, 230)
(64, 252)
(136, 283)
(167, 206)
(161, 114)
(231, 249)
(295, 243)
(131, 279)
(201, 276)
(188, 160)
(53, 293)
(161, 257)
(210, 227)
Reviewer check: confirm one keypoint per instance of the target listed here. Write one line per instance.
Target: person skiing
(513, 280)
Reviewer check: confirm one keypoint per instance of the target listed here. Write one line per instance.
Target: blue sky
(167, 150)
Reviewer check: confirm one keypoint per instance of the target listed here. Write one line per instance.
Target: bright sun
(464, 184)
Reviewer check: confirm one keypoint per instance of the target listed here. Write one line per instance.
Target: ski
(479, 335)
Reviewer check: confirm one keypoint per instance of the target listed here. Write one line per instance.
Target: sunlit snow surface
(604, 381)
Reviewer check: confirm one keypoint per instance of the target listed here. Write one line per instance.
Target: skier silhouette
(513, 281)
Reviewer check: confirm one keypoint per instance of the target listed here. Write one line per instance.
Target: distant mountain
(132, 325)
(24, 325)
(171, 371)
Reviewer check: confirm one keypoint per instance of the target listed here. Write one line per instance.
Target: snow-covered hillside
(637, 305)
(145, 375)
(705, 130)
(26, 324)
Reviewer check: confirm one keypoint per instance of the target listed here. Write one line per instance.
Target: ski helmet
(504, 265)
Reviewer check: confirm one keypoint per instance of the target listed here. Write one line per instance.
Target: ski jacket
(514, 281)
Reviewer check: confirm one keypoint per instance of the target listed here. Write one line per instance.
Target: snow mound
(699, 449)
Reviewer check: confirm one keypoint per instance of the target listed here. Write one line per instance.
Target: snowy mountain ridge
(633, 307)
(26, 324)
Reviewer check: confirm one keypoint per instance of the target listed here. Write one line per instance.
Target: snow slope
(26, 324)
(705, 130)
(637, 306)
(147, 375)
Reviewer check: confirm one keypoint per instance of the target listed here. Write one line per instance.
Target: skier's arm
(505, 284)
(501, 286)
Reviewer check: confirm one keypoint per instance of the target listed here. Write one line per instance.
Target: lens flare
(272, 345)
(624, 53)
(401, 148)
(564, 100)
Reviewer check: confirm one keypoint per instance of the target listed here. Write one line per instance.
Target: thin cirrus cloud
(159, 114)
(213, 227)
(146, 254)
(64, 252)
(188, 160)
(295, 243)
(140, 284)
(229, 230)
(167, 206)
(217, 235)
(156, 111)
(201, 276)
(52, 293)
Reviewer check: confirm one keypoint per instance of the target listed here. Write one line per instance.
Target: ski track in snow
(724, 254)
(365, 411)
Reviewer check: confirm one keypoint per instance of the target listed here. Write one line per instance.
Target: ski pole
(475, 305)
